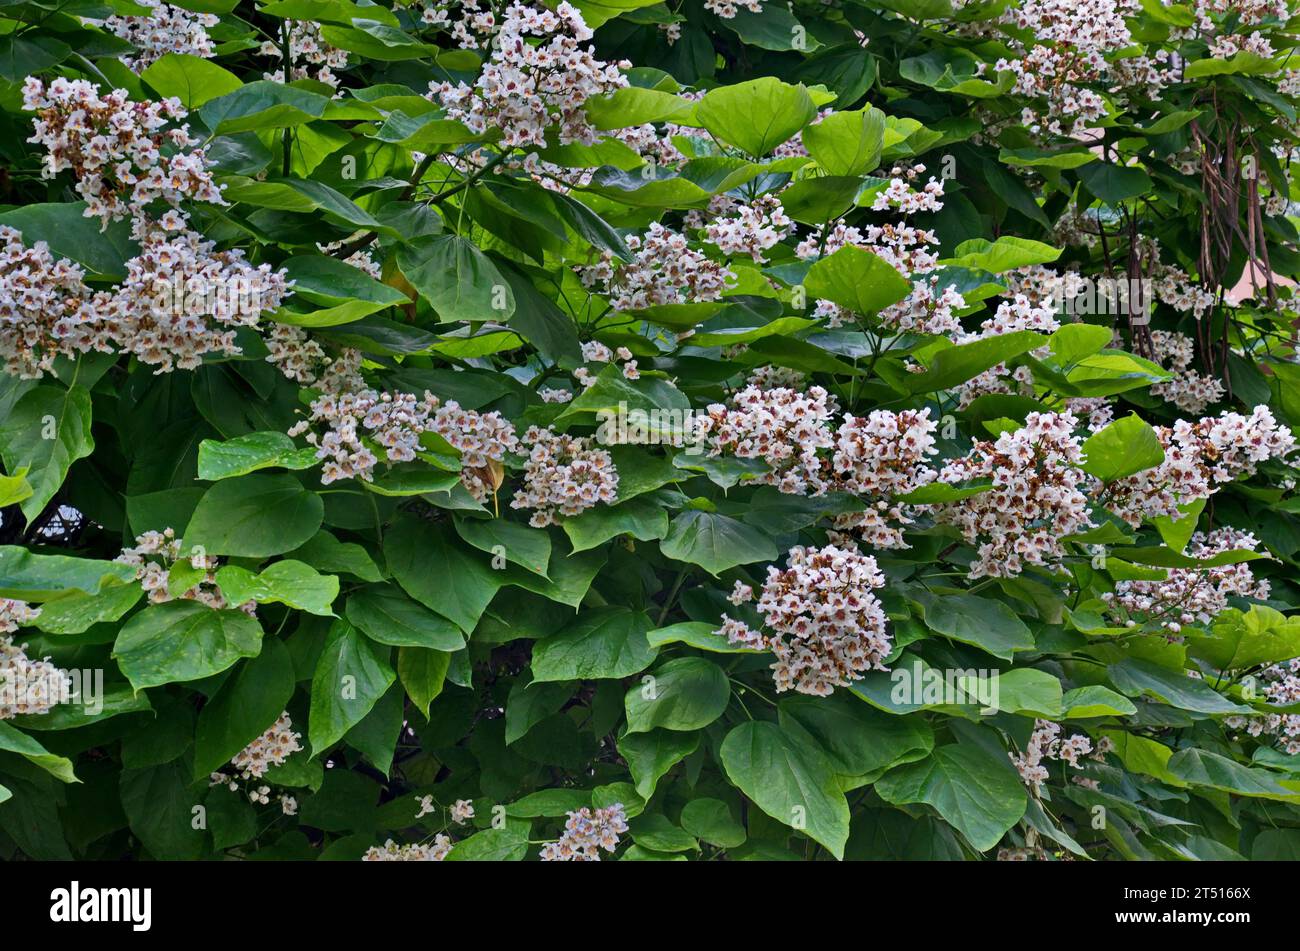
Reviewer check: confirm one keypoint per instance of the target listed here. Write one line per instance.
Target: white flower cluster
(1035, 501)
(741, 593)
(26, 686)
(483, 439)
(167, 29)
(1071, 41)
(828, 628)
(563, 475)
(1175, 288)
(392, 852)
(885, 453)
(1244, 12)
(909, 250)
(462, 810)
(527, 87)
(295, 353)
(306, 50)
(783, 427)
(593, 351)
(153, 558)
(356, 420)
(902, 195)
(1191, 595)
(45, 309)
(1035, 854)
(882, 455)
(1189, 390)
(754, 229)
(1045, 743)
(118, 150)
(879, 525)
(276, 744)
(1281, 683)
(1172, 284)
(475, 28)
(1099, 410)
(1075, 228)
(1018, 313)
(586, 832)
(183, 299)
(1224, 47)
(768, 377)
(664, 270)
(1199, 458)
(727, 9)
(350, 423)
(926, 310)
(1212, 16)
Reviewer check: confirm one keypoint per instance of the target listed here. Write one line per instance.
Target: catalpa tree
(619, 429)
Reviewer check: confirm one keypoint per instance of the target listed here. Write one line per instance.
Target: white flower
(272, 748)
(586, 833)
(827, 627)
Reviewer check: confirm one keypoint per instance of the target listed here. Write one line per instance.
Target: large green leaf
(1135, 677)
(1203, 768)
(1114, 183)
(15, 741)
(1126, 446)
(1007, 253)
(262, 105)
(434, 568)
(857, 739)
(952, 366)
(254, 516)
(758, 115)
(159, 805)
(352, 674)
(45, 433)
(847, 143)
(457, 279)
(978, 795)
(514, 542)
(791, 781)
(686, 693)
(183, 640)
(31, 577)
(386, 615)
(715, 542)
(191, 79)
(642, 518)
(607, 642)
(248, 453)
(1240, 640)
(971, 619)
(858, 279)
(70, 234)
(423, 673)
(285, 582)
(651, 755)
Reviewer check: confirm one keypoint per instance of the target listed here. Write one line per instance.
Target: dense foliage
(630, 429)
